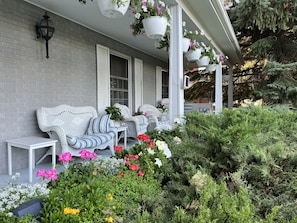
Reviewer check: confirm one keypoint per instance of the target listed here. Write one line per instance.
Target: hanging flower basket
(185, 44)
(155, 26)
(203, 61)
(193, 55)
(112, 8)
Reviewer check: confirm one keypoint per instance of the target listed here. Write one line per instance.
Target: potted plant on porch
(150, 19)
(116, 117)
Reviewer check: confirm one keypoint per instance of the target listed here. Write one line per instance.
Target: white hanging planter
(185, 44)
(110, 9)
(193, 55)
(155, 26)
(211, 67)
(203, 61)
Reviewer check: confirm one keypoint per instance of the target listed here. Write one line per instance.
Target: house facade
(92, 67)
(74, 74)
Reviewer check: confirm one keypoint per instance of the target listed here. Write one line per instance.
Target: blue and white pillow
(89, 141)
(99, 125)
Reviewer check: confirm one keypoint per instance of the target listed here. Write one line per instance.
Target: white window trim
(138, 83)
(129, 59)
(103, 78)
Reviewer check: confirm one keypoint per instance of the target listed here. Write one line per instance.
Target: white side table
(30, 144)
(122, 129)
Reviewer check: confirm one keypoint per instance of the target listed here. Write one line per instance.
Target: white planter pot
(203, 61)
(112, 10)
(193, 55)
(114, 123)
(155, 26)
(185, 44)
(211, 67)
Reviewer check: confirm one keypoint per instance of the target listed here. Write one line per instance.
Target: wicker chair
(157, 119)
(136, 124)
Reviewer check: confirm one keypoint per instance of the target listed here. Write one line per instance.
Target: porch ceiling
(206, 15)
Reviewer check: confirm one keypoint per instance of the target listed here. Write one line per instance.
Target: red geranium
(130, 156)
(144, 137)
(151, 144)
(140, 173)
(134, 166)
(120, 175)
(118, 149)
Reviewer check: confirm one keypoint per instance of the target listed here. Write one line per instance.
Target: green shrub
(253, 148)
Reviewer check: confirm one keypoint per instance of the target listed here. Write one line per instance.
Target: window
(119, 80)
(165, 84)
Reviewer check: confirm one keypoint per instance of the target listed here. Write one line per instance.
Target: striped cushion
(99, 125)
(89, 141)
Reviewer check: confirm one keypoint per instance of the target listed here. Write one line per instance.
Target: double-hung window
(119, 80)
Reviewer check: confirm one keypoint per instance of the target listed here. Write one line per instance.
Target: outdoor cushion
(89, 141)
(99, 124)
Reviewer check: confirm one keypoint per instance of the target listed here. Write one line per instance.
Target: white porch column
(230, 88)
(176, 92)
(219, 90)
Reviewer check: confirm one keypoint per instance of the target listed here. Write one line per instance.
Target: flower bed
(238, 166)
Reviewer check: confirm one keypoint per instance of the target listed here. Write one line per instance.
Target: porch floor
(47, 164)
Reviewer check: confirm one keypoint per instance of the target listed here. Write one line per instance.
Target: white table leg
(9, 159)
(116, 138)
(33, 159)
(125, 138)
(30, 164)
(54, 155)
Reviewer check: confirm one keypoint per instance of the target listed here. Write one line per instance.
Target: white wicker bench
(76, 128)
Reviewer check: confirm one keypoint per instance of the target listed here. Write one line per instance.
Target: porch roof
(206, 15)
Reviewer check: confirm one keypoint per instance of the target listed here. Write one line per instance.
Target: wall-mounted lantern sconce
(45, 30)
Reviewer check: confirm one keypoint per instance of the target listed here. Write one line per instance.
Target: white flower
(150, 151)
(14, 194)
(158, 162)
(162, 3)
(150, 2)
(137, 15)
(177, 121)
(177, 140)
(9, 214)
(160, 144)
(164, 147)
(167, 152)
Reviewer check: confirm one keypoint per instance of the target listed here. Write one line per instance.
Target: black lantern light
(45, 30)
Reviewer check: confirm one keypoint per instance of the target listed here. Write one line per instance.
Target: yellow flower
(72, 211)
(109, 197)
(110, 219)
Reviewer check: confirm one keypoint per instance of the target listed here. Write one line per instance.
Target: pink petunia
(159, 10)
